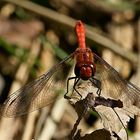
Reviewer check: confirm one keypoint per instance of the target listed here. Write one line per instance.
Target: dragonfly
(89, 68)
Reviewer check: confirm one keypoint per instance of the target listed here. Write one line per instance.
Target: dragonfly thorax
(84, 63)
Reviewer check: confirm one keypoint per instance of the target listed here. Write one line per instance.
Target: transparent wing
(37, 94)
(113, 86)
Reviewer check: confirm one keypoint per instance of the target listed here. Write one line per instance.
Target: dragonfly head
(84, 71)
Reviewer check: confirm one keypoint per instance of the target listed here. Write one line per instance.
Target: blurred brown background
(37, 34)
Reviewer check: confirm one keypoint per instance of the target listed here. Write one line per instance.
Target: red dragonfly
(89, 68)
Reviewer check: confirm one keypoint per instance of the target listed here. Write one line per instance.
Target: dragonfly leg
(65, 95)
(97, 83)
(75, 83)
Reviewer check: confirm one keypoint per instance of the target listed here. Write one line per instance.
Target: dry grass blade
(11, 129)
